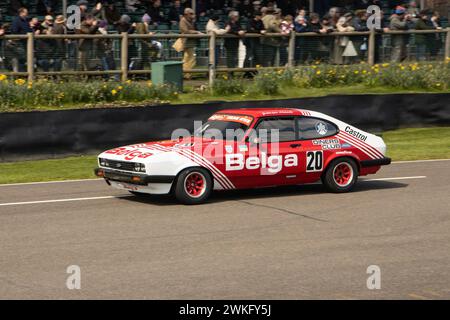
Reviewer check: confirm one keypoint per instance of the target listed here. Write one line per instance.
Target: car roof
(264, 112)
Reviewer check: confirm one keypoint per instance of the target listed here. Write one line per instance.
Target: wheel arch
(335, 156)
(174, 183)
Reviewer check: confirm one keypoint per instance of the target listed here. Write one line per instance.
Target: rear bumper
(375, 162)
(132, 178)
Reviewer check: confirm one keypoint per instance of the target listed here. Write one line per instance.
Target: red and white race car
(247, 148)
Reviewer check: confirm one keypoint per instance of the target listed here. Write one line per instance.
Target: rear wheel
(193, 186)
(341, 175)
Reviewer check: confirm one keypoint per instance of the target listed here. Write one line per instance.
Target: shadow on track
(270, 192)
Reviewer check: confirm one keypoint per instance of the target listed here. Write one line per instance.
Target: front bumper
(132, 178)
(375, 162)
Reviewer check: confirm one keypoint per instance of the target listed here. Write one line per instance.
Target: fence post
(124, 57)
(30, 56)
(371, 48)
(291, 49)
(212, 59)
(447, 45)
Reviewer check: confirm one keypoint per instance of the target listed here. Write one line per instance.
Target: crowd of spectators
(242, 17)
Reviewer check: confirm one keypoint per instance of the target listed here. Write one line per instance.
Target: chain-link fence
(124, 56)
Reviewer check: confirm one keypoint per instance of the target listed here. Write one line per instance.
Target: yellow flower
(114, 92)
(318, 72)
(119, 88)
(149, 83)
(385, 65)
(128, 82)
(402, 68)
(356, 72)
(3, 77)
(20, 82)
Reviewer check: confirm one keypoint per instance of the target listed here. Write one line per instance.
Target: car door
(273, 158)
(319, 141)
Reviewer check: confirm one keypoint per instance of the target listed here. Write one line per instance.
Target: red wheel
(343, 174)
(195, 184)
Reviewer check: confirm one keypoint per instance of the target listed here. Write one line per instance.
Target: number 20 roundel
(314, 161)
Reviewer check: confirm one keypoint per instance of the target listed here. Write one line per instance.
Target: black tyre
(193, 186)
(340, 175)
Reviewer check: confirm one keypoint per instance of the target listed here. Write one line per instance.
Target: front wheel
(193, 186)
(341, 175)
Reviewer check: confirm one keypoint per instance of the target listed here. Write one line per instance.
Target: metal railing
(124, 40)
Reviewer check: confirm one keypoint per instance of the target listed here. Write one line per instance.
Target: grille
(120, 165)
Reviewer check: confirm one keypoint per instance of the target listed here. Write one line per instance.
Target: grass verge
(403, 144)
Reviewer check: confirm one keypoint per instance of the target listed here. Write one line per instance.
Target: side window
(314, 128)
(268, 129)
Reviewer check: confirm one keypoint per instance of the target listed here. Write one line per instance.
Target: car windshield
(222, 130)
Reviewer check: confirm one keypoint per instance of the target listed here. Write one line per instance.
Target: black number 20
(314, 161)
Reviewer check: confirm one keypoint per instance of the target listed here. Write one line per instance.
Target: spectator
(111, 13)
(232, 44)
(272, 24)
(424, 42)
(254, 52)
(104, 49)
(88, 27)
(155, 12)
(398, 21)
(301, 43)
(83, 5)
(213, 27)
(176, 12)
(150, 49)
(187, 26)
(125, 26)
(437, 42)
(17, 48)
(45, 47)
(344, 24)
(287, 26)
(320, 46)
(413, 11)
(60, 44)
(360, 25)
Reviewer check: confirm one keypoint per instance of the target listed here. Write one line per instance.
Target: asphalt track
(279, 243)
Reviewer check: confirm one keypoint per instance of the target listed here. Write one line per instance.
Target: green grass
(418, 144)
(403, 144)
(48, 170)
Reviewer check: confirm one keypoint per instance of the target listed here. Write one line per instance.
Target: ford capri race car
(247, 148)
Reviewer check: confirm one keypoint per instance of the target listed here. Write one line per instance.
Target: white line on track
(58, 200)
(47, 182)
(396, 178)
(118, 197)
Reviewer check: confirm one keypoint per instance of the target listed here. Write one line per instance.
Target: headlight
(139, 167)
(103, 162)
